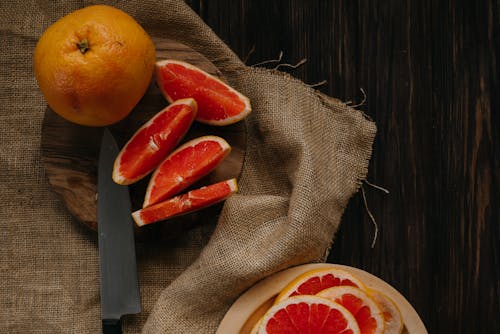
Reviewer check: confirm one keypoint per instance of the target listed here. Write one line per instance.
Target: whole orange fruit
(94, 65)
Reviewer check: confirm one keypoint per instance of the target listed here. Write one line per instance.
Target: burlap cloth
(306, 156)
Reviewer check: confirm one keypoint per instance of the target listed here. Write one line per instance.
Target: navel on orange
(94, 65)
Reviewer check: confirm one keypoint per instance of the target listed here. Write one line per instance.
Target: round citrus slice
(391, 313)
(367, 313)
(312, 282)
(153, 142)
(184, 166)
(218, 103)
(308, 314)
(191, 201)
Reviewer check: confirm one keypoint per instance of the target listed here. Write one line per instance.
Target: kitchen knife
(117, 263)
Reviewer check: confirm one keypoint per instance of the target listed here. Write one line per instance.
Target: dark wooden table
(430, 70)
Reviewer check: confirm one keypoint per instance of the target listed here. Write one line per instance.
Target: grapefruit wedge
(154, 141)
(367, 313)
(218, 103)
(312, 282)
(184, 166)
(308, 314)
(191, 201)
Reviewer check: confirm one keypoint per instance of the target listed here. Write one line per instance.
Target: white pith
(137, 218)
(153, 145)
(233, 185)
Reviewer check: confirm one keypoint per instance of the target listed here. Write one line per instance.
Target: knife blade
(117, 262)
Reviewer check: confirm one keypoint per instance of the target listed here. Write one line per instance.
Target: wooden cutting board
(253, 304)
(70, 152)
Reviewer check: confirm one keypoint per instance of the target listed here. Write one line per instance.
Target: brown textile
(306, 156)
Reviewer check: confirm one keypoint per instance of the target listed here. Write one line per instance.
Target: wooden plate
(250, 307)
(70, 151)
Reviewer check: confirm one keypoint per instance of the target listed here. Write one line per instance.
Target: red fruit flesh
(153, 142)
(184, 166)
(218, 103)
(362, 313)
(307, 316)
(316, 284)
(186, 203)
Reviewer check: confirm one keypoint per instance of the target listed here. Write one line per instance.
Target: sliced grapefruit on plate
(312, 282)
(186, 165)
(392, 315)
(308, 314)
(153, 142)
(255, 302)
(218, 103)
(367, 313)
(191, 201)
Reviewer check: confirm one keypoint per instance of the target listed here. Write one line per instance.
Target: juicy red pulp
(367, 324)
(215, 100)
(153, 143)
(315, 284)
(185, 203)
(305, 318)
(184, 168)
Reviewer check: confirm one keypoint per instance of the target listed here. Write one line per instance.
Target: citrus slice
(184, 166)
(153, 142)
(391, 313)
(312, 282)
(367, 313)
(218, 103)
(186, 203)
(308, 314)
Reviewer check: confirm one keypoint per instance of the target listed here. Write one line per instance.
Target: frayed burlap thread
(306, 156)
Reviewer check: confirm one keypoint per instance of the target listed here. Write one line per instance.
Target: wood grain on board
(70, 153)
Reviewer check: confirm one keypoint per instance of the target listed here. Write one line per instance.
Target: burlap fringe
(279, 64)
(348, 103)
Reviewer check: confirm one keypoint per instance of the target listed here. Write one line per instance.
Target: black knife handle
(111, 326)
